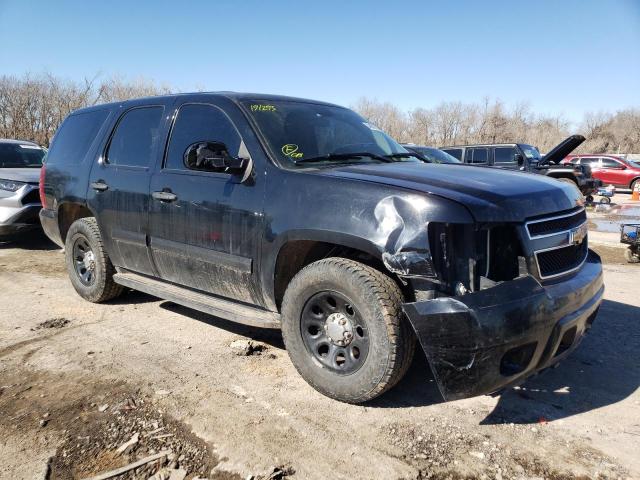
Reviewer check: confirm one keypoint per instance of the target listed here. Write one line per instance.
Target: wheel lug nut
(342, 321)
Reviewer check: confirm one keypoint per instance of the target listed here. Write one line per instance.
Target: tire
(370, 302)
(632, 254)
(605, 200)
(634, 184)
(96, 284)
(589, 198)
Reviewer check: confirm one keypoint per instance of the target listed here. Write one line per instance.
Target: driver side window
(201, 123)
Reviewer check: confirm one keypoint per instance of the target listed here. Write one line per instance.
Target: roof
(234, 96)
(472, 145)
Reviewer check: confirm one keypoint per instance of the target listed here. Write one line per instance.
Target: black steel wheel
(344, 329)
(88, 265)
(334, 332)
(84, 260)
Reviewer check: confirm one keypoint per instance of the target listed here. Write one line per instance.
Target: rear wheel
(635, 184)
(344, 329)
(88, 265)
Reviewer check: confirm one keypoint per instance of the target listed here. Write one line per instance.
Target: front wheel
(88, 265)
(344, 329)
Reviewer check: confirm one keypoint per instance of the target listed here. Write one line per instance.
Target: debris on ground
(52, 323)
(247, 347)
(133, 439)
(445, 450)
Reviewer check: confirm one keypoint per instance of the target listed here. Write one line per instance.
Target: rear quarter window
(75, 136)
(454, 152)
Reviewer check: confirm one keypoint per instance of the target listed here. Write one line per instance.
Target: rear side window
(200, 123)
(591, 161)
(504, 155)
(75, 136)
(477, 155)
(454, 152)
(135, 137)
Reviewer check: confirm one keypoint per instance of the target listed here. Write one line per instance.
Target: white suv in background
(20, 163)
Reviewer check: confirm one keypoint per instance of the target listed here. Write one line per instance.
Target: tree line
(491, 121)
(33, 106)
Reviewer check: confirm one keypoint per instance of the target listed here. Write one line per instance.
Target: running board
(227, 309)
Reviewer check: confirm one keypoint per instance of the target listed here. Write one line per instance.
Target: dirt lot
(79, 381)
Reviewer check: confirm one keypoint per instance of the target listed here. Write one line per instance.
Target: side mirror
(213, 157)
(519, 159)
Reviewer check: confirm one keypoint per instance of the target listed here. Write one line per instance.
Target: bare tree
(33, 106)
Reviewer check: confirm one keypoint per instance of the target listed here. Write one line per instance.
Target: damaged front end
(493, 303)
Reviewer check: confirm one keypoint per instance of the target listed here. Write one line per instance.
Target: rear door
(119, 184)
(206, 224)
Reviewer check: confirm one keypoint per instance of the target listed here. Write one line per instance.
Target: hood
(564, 148)
(28, 175)
(490, 194)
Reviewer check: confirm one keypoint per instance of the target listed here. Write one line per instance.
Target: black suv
(300, 215)
(520, 156)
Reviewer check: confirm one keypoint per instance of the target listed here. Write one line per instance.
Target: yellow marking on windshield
(291, 150)
(263, 108)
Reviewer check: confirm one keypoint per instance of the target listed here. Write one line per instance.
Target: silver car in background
(20, 163)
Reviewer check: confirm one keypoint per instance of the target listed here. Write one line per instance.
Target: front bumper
(17, 219)
(484, 341)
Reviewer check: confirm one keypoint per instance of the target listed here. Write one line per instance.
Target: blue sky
(563, 57)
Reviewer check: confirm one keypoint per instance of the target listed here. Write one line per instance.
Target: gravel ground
(80, 381)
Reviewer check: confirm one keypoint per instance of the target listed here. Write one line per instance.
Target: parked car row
(297, 214)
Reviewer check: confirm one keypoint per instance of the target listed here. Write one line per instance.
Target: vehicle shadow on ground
(602, 371)
(270, 336)
(418, 388)
(35, 240)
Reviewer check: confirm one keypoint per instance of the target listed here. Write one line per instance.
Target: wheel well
(637, 179)
(296, 255)
(69, 213)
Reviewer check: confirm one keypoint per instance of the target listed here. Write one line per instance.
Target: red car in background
(610, 169)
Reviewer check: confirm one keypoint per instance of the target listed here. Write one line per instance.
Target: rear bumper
(49, 222)
(484, 341)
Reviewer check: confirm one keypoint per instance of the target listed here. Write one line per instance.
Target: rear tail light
(41, 187)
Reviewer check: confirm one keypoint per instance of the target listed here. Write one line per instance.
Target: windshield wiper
(404, 155)
(343, 156)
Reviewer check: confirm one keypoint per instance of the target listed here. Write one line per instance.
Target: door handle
(165, 196)
(99, 186)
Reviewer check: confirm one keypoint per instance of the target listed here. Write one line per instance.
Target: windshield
(634, 163)
(531, 153)
(435, 155)
(18, 155)
(299, 131)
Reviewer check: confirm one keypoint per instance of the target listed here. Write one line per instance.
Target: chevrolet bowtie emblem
(578, 234)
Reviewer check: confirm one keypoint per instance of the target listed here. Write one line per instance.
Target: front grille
(561, 260)
(32, 197)
(557, 224)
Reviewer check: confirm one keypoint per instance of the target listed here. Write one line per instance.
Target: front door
(119, 185)
(205, 223)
